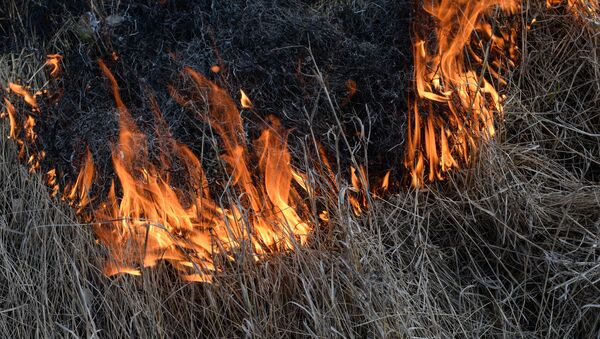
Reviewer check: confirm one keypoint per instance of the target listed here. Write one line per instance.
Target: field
(507, 247)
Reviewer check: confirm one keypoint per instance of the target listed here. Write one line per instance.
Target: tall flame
(150, 220)
(147, 217)
(456, 102)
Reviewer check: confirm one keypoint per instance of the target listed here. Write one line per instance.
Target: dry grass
(507, 248)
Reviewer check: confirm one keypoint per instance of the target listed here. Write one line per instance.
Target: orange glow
(244, 100)
(25, 94)
(455, 105)
(22, 129)
(54, 62)
(51, 182)
(145, 219)
(385, 183)
(359, 188)
(12, 113)
(351, 89)
(79, 192)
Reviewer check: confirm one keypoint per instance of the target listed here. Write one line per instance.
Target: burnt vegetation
(506, 247)
(294, 59)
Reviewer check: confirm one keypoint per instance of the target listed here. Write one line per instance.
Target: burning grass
(507, 247)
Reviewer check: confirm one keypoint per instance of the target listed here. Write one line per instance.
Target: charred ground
(274, 50)
(508, 247)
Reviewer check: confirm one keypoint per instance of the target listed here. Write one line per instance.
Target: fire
(151, 220)
(22, 130)
(79, 192)
(12, 121)
(360, 189)
(54, 62)
(26, 95)
(358, 199)
(146, 218)
(456, 102)
(245, 101)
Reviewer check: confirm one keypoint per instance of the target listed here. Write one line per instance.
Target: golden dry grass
(509, 247)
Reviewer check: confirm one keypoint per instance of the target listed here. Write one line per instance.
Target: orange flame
(25, 94)
(12, 112)
(244, 100)
(53, 61)
(22, 130)
(79, 192)
(459, 102)
(152, 221)
(359, 189)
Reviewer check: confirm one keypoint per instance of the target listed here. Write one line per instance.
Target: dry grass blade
(509, 247)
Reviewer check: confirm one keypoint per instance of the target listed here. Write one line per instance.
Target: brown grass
(507, 248)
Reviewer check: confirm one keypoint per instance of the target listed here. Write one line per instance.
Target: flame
(359, 189)
(79, 192)
(145, 218)
(385, 182)
(12, 122)
(53, 61)
(244, 100)
(22, 129)
(455, 105)
(25, 94)
(52, 183)
(151, 220)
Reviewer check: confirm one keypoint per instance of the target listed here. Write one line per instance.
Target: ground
(507, 247)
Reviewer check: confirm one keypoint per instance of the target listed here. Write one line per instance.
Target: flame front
(150, 220)
(456, 102)
(146, 217)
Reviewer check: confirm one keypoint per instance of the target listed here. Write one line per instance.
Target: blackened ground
(271, 49)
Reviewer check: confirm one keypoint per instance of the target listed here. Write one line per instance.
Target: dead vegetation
(508, 247)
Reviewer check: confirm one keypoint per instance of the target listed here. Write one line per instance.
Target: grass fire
(300, 168)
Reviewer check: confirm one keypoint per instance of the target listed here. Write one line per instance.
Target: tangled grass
(509, 247)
